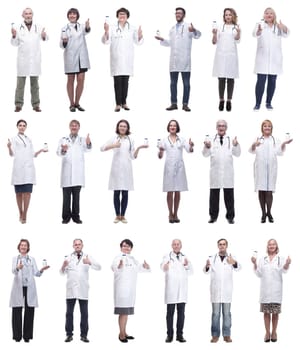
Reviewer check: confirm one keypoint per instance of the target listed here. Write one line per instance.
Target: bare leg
(170, 202)
(267, 320)
(275, 318)
(122, 325)
(26, 199)
(19, 198)
(79, 87)
(70, 88)
(176, 203)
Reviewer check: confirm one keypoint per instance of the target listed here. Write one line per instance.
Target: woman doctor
(76, 57)
(23, 175)
(121, 176)
(269, 269)
(266, 148)
(125, 269)
(23, 293)
(122, 37)
(174, 171)
(268, 61)
(226, 65)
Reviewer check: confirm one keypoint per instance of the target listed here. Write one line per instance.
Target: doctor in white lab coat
(221, 150)
(268, 60)
(23, 174)
(125, 269)
(177, 268)
(226, 65)
(180, 42)
(269, 269)
(76, 57)
(23, 292)
(220, 267)
(121, 37)
(266, 149)
(27, 36)
(71, 149)
(76, 266)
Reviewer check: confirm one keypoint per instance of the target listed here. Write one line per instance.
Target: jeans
(180, 319)
(120, 204)
(186, 87)
(34, 89)
(260, 87)
(84, 326)
(215, 319)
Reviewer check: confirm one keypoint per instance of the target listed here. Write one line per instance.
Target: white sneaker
(117, 219)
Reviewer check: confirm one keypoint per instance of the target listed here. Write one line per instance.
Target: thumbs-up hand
(140, 33)
(88, 140)
(43, 34)
(13, 32)
(166, 266)
(230, 260)
(191, 28)
(87, 24)
(86, 260)
(121, 264)
(235, 141)
(146, 265)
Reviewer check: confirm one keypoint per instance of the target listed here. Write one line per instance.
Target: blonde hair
(265, 122)
(277, 248)
(234, 15)
(272, 10)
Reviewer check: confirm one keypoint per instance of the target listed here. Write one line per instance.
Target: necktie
(78, 256)
(75, 27)
(221, 140)
(177, 256)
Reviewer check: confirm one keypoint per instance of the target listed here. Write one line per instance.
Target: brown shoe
(18, 109)
(214, 339)
(37, 109)
(186, 108)
(172, 107)
(227, 339)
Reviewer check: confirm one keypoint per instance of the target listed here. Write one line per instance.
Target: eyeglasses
(221, 126)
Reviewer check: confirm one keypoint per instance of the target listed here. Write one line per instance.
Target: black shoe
(228, 106)
(211, 220)
(180, 339)
(169, 339)
(230, 221)
(263, 218)
(84, 339)
(129, 337)
(270, 217)
(69, 338)
(72, 109)
(79, 108)
(186, 108)
(123, 340)
(77, 221)
(66, 221)
(125, 107)
(172, 107)
(26, 340)
(221, 105)
(176, 220)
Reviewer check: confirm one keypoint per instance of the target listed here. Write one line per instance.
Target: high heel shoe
(263, 218)
(270, 217)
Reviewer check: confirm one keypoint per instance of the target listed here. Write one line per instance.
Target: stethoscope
(263, 139)
(182, 29)
(127, 137)
(23, 27)
(266, 261)
(171, 143)
(234, 27)
(177, 256)
(226, 137)
(119, 30)
(21, 138)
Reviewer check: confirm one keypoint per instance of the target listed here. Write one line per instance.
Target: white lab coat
(174, 170)
(265, 164)
(121, 175)
(78, 276)
(122, 42)
(176, 278)
(125, 279)
(75, 53)
(221, 281)
(268, 58)
(72, 166)
(226, 64)
(23, 168)
(221, 161)
(180, 41)
(16, 296)
(29, 50)
(270, 273)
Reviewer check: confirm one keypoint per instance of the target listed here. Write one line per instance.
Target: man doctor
(177, 268)
(180, 41)
(27, 37)
(220, 266)
(221, 149)
(71, 149)
(76, 266)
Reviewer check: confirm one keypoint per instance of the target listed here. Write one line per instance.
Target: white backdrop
(147, 214)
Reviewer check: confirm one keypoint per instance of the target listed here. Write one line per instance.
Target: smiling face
(27, 15)
(173, 127)
(74, 128)
(22, 126)
(222, 245)
(176, 246)
(122, 129)
(122, 17)
(23, 248)
(72, 17)
(221, 127)
(267, 128)
(179, 15)
(126, 248)
(269, 16)
(77, 245)
(228, 18)
(272, 247)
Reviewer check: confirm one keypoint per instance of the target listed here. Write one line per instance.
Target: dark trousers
(28, 320)
(230, 86)
(180, 319)
(186, 86)
(214, 199)
(67, 212)
(120, 204)
(260, 87)
(121, 89)
(84, 326)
